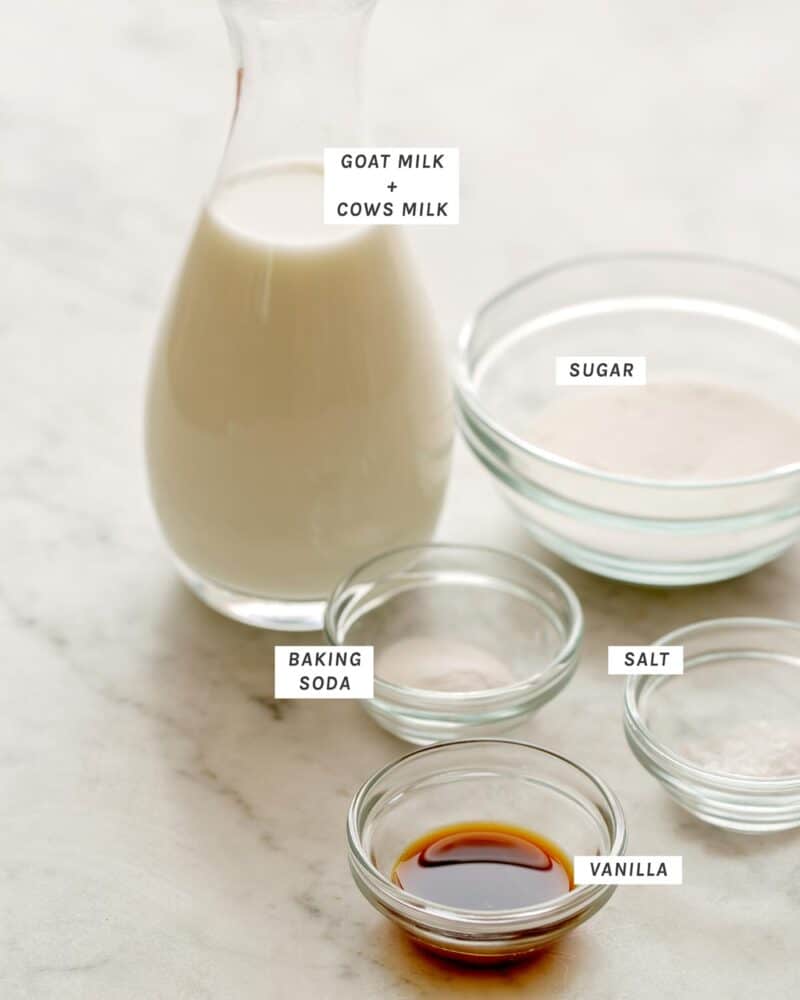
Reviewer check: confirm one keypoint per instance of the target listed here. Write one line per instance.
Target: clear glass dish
(713, 320)
(481, 780)
(506, 607)
(723, 739)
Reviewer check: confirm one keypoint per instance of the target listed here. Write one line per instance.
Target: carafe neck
(298, 78)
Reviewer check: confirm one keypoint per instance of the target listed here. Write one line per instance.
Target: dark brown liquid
(483, 866)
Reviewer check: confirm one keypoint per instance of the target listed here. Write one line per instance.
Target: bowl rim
(518, 919)
(468, 398)
(565, 656)
(662, 755)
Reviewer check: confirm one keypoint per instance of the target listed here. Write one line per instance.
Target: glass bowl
(473, 639)
(481, 780)
(697, 319)
(723, 739)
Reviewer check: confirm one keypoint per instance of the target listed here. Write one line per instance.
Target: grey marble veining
(168, 830)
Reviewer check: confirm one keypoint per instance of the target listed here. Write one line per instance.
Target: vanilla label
(391, 186)
(323, 671)
(645, 659)
(601, 370)
(642, 869)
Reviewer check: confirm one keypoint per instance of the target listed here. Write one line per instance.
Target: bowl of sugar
(468, 641)
(640, 413)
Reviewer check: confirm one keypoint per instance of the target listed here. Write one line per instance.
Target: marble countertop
(169, 830)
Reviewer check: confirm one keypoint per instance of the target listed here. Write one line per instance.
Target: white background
(169, 833)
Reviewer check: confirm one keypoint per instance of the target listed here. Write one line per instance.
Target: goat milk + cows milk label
(391, 186)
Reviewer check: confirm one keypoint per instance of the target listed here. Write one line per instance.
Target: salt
(758, 749)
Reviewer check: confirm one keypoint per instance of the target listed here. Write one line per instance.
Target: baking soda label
(601, 370)
(645, 660)
(640, 869)
(323, 671)
(391, 186)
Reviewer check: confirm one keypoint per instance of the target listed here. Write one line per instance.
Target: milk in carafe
(298, 413)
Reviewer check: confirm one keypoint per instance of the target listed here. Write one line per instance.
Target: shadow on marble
(546, 973)
(286, 770)
(728, 843)
(226, 666)
(649, 612)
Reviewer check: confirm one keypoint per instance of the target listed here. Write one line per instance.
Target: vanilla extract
(484, 866)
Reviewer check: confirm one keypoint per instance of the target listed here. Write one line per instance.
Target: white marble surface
(167, 830)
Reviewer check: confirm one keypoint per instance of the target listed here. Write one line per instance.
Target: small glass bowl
(723, 739)
(497, 781)
(718, 321)
(505, 606)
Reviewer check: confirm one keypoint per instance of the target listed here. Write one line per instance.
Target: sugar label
(601, 370)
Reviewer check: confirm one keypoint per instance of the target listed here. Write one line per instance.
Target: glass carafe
(298, 410)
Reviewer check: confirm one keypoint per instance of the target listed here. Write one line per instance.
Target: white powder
(438, 664)
(759, 749)
(669, 430)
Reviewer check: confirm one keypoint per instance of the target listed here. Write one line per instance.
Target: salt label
(639, 869)
(645, 660)
(323, 671)
(601, 370)
(391, 186)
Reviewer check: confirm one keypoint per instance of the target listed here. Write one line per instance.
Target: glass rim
(566, 654)
(519, 918)
(661, 753)
(469, 400)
